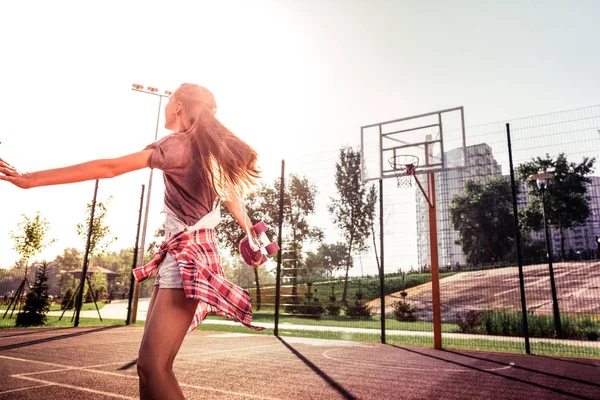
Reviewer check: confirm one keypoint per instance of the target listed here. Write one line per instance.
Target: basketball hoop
(404, 167)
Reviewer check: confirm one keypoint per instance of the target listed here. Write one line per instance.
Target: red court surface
(100, 363)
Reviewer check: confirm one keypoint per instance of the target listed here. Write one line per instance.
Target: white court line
(36, 362)
(95, 371)
(25, 388)
(118, 396)
(341, 360)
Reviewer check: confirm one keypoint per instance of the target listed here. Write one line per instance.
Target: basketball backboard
(436, 139)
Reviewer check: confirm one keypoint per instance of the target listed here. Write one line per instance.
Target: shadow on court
(100, 363)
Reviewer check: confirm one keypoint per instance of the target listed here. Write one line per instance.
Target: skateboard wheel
(272, 248)
(261, 227)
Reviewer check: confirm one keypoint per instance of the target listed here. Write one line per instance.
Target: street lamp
(153, 91)
(542, 180)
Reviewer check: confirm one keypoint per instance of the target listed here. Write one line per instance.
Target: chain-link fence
(496, 292)
(482, 295)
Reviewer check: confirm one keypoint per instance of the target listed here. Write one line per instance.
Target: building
(481, 165)
(579, 239)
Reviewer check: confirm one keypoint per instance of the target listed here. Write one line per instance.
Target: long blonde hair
(225, 162)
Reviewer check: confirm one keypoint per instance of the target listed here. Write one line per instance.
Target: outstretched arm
(97, 169)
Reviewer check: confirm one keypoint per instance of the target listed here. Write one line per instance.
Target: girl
(203, 163)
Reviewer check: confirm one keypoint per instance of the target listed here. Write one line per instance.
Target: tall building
(481, 165)
(581, 238)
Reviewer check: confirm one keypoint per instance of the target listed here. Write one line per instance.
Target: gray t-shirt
(187, 192)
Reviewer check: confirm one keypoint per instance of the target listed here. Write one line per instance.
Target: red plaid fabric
(199, 262)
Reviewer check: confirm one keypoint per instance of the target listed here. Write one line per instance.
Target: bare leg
(151, 305)
(144, 394)
(171, 316)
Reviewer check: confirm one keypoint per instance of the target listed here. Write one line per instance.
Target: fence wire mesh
(480, 290)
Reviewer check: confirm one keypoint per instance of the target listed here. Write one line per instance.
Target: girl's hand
(10, 174)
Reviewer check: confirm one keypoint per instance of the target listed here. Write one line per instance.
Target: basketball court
(100, 363)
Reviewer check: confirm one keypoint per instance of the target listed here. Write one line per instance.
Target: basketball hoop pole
(435, 269)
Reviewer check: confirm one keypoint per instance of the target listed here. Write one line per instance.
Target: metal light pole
(542, 184)
(136, 291)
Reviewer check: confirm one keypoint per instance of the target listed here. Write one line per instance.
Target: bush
(358, 309)
(470, 323)
(333, 308)
(502, 323)
(66, 298)
(508, 323)
(404, 311)
(37, 303)
(592, 335)
(311, 308)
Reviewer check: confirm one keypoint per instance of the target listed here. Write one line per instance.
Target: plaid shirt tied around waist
(203, 278)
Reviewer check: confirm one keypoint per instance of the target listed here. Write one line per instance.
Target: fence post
(518, 239)
(279, 254)
(79, 299)
(381, 270)
(134, 264)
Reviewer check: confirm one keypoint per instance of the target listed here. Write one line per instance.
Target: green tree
(567, 201)
(31, 238)
(354, 209)
(328, 259)
(99, 240)
(263, 204)
(37, 302)
(299, 203)
(483, 217)
(159, 236)
(70, 260)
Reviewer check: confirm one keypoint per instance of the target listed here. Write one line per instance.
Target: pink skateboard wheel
(272, 248)
(261, 227)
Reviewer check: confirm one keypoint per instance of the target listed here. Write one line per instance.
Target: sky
(295, 79)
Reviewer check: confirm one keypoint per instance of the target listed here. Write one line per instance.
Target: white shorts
(169, 275)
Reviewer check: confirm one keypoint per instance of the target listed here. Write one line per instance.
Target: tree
(263, 205)
(37, 302)
(567, 201)
(99, 240)
(328, 259)
(354, 209)
(32, 237)
(298, 205)
(483, 217)
(159, 236)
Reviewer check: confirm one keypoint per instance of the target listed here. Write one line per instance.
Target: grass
(369, 286)
(65, 322)
(510, 323)
(505, 346)
(342, 321)
(56, 307)
(84, 307)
